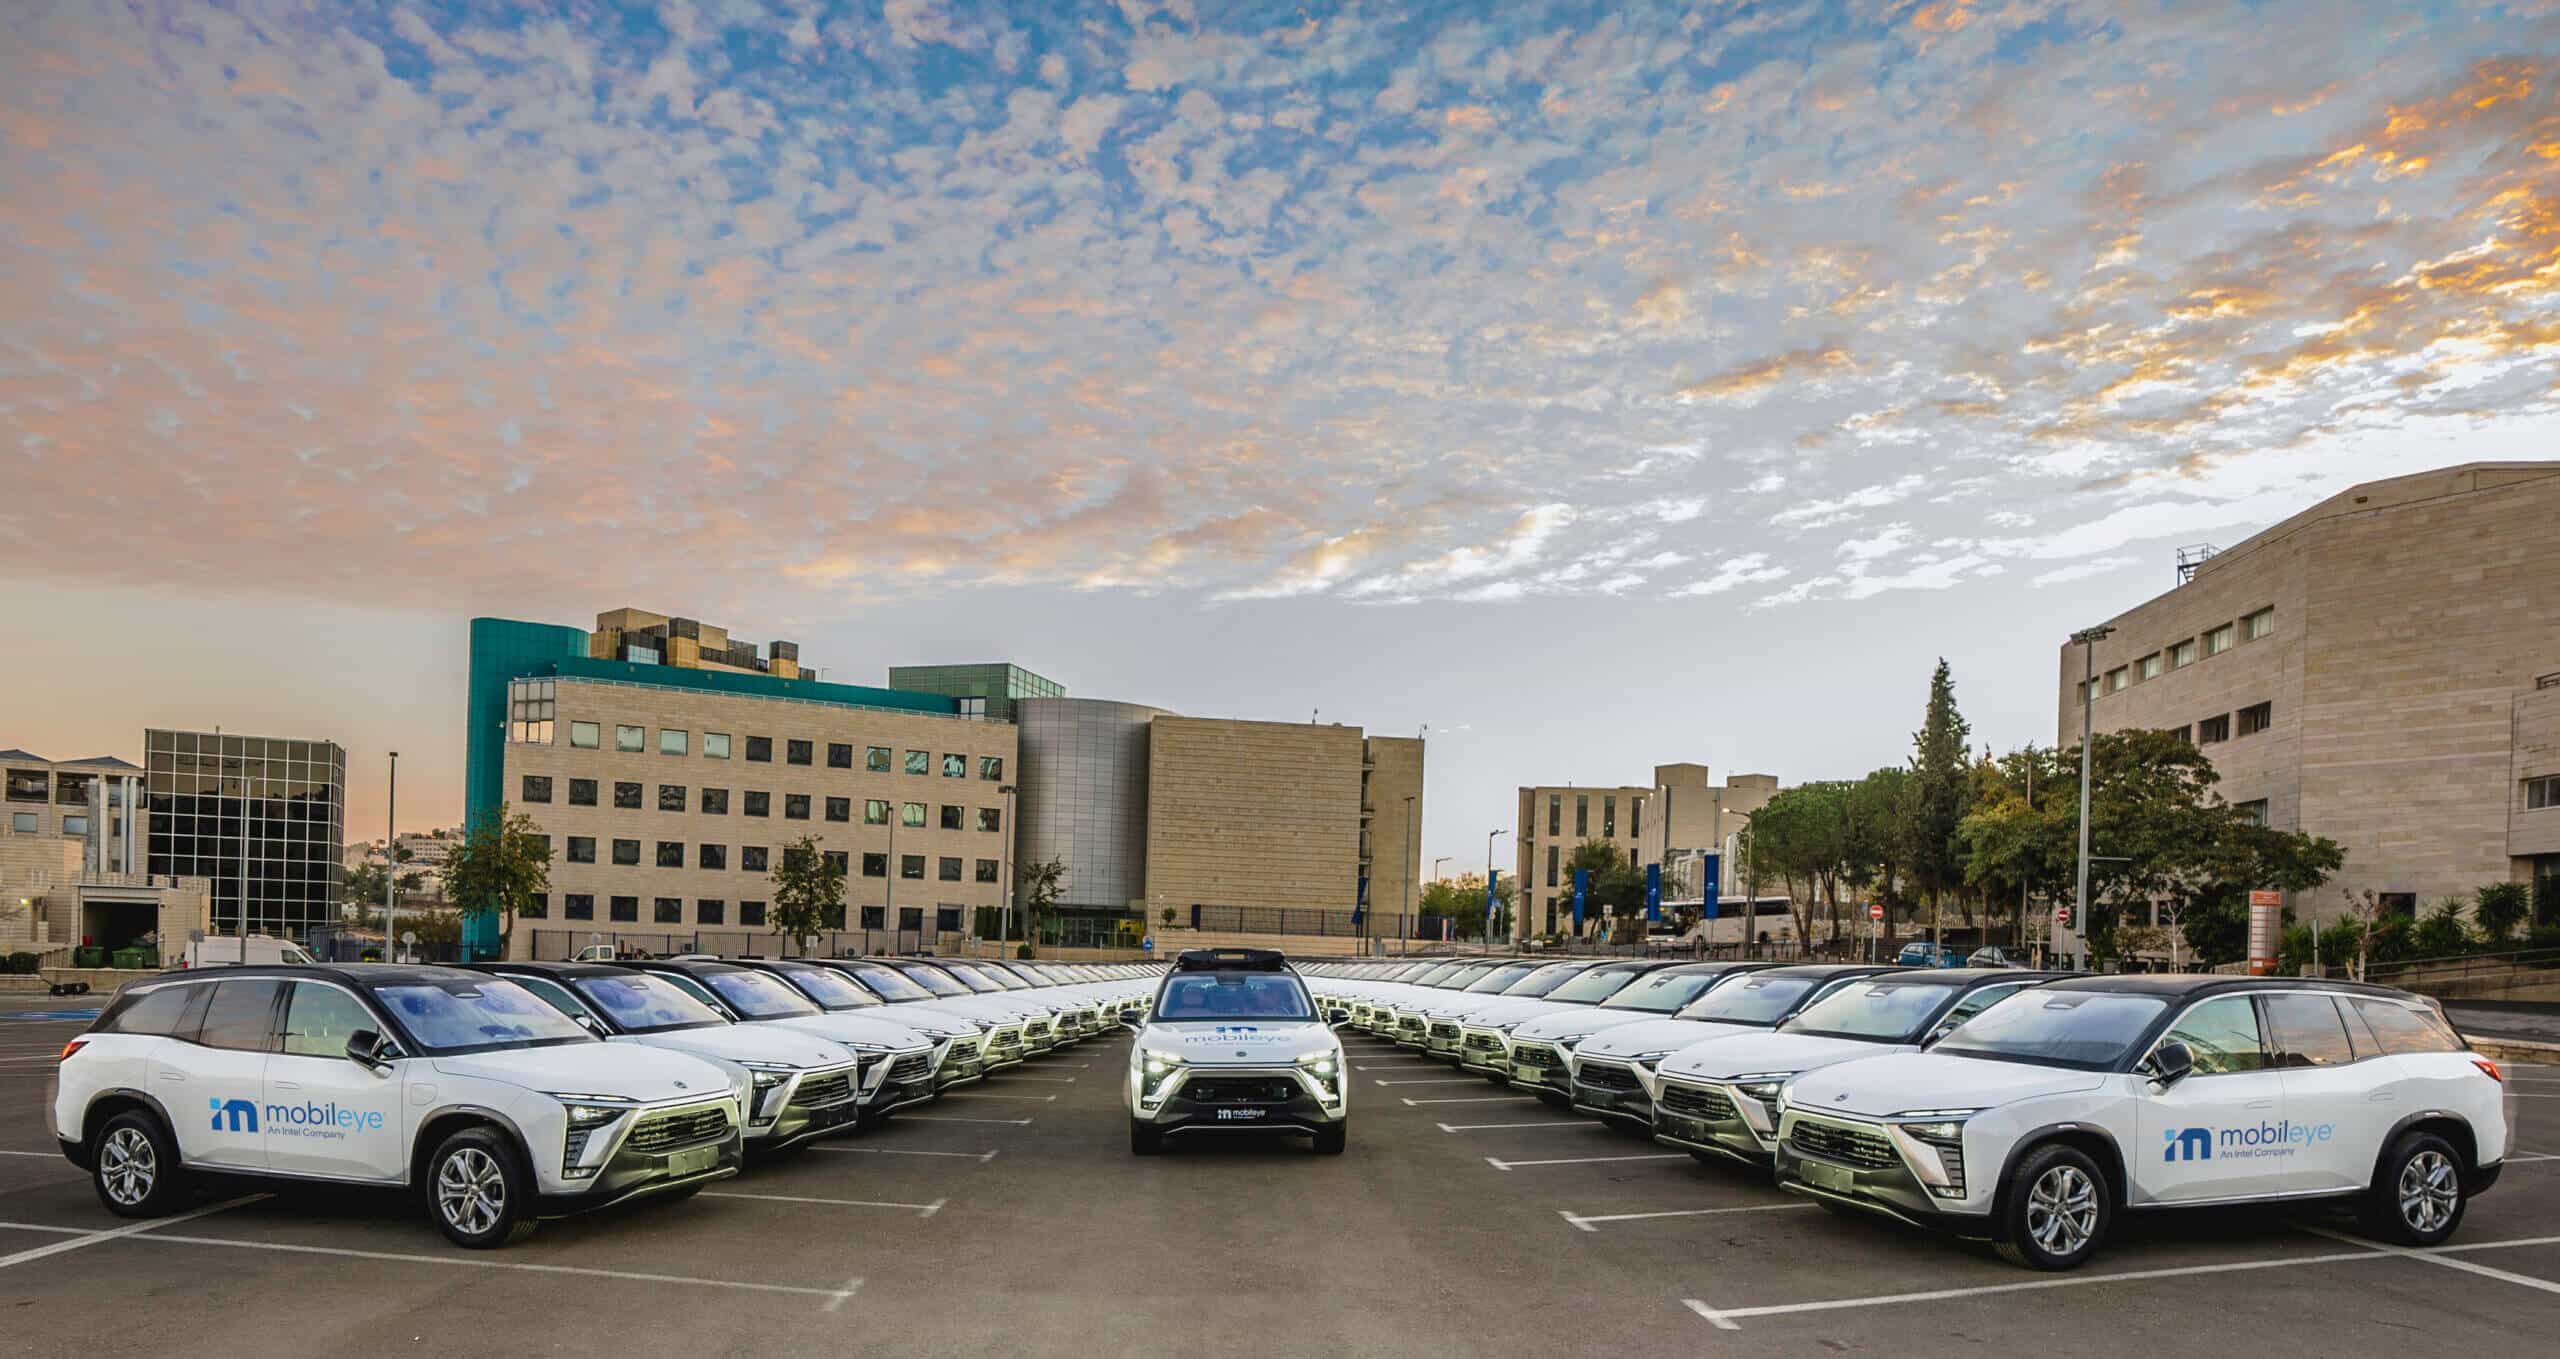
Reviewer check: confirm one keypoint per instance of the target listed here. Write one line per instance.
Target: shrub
(21, 964)
(2442, 933)
(2502, 906)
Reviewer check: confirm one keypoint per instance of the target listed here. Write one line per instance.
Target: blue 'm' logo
(242, 1115)
(2188, 1144)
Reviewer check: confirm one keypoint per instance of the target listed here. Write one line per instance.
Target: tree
(1617, 889)
(808, 893)
(2498, 909)
(1036, 885)
(502, 863)
(2443, 932)
(1461, 903)
(1933, 799)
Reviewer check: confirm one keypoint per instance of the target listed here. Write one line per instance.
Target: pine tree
(1937, 791)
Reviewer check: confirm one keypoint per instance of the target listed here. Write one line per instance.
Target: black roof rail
(1231, 960)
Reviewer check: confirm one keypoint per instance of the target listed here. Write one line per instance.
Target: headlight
(1155, 1070)
(587, 1115)
(1933, 1141)
(1647, 1059)
(1321, 1063)
(766, 1081)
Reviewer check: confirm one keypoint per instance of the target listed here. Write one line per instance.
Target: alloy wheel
(471, 1191)
(2062, 1211)
(128, 1166)
(2429, 1192)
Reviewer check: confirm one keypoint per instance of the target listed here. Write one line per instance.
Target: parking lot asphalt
(1010, 1219)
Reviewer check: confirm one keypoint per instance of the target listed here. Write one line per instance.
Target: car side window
(555, 995)
(2307, 1030)
(694, 989)
(319, 1019)
(2223, 1035)
(2398, 1028)
(154, 1013)
(1978, 1002)
(242, 1015)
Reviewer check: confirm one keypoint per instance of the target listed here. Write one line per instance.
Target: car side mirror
(592, 1025)
(1338, 1018)
(367, 1049)
(1132, 1015)
(2172, 1062)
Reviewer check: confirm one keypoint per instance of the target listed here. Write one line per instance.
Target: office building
(1682, 816)
(261, 819)
(990, 690)
(2382, 669)
(74, 843)
(1084, 805)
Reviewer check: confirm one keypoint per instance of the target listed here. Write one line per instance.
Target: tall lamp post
(1004, 932)
(1408, 854)
(391, 867)
(1489, 838)
(2088, 638)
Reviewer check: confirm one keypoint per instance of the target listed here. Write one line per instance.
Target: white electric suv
(1234, 1043)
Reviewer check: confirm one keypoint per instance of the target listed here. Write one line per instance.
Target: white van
(231, 950)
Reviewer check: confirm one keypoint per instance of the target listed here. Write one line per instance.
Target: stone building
(1682, 815)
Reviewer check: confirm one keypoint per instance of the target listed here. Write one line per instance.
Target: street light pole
(1489, 838)
(1404, 856)
(2088, 638)
(391, 867)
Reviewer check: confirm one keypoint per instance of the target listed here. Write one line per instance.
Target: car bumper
(1209, 1100)
(1442, 1040)
(1889, 1189)
(1610, 1102)
(1484, 1052)
(1719, 1127)
(1539, 1066)
(632, 1174)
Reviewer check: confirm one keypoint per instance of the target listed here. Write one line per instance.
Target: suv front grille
(1484, 1042)
(1607, 1076)
(1443, 1029)
(912, 1067)
(1535, 1054)
(1240, 1090)
(817, 1092)
(1696, 1101)
(677, 1128)
(1038, 1028)
(1848, 1146)
(1411, 1024)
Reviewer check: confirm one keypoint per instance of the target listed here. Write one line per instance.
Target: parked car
(1234, 1042)
(1922, 953)
(2048, 1114)
(231, 950)
(749, 996)
(1612, 1071)
(1994, 956)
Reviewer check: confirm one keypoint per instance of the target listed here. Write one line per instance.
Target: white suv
(2044, 1116)
(1234, 1043)
(495, 1106)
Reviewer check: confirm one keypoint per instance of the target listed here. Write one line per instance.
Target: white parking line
(1725, 1318)
(1584, 1222)
(1019, 1099)
(1406, 1066)
(2437, 1258)
(946, 1118)
(1465, 1099)
(1037, 1080)
(1500, 1164)
(56, 1156)
(841, 1294)
(919, 1209)
(1436, 1080)
(118, 1233)
(902, 1151)
(1545, 1123)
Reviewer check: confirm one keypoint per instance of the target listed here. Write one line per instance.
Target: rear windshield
(890, 983)
(478, 1016)
(1663, 992)
(1233, 995)
(2088, 1030)
(645, 1004)
(1762, 1000)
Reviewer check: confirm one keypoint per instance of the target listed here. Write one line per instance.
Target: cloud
(1751, 568)
(2096, 566)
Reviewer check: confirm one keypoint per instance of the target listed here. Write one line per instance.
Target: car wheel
(478, 1191)
(2056, 1209)
(2416, 1200)
(1145, 1139)
(1331, 1138)
(134, 1164)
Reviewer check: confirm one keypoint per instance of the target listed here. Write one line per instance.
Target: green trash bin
(87, 956)
(130, 959)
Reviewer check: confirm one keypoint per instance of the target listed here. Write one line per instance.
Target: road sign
(1875, 911)
(1711, 884)
(2266, 924)
(2062, 916)
(1653, 894)
(1148, 944)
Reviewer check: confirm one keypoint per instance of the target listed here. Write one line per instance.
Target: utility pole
(1401, 872)
(2022, 878)
(1489, 838)
(1004, 931)
(2088, 638)
(391, 867)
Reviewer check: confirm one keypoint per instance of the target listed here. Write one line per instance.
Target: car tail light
(2490, 1069)
(73, 1046)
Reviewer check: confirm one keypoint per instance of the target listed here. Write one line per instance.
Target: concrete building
(1084, 804)
(72, 861)
(2382, 669)
(260, 819)
(1678, 818)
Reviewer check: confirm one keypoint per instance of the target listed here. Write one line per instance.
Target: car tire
(1332, 1137)
(2055, 1209)
(1145, 1139)
(134, 1166)
(478, 1190)
(2416, 1198)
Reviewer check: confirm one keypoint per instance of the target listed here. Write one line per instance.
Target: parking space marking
(850, 1285)
(919, 1209)
(55, 1155)
(1438, 1080)
(902, 1151)
(1543, 1123)
(1500, 1164)
(946, 1118)
(119, 1233)
(1039, 1080)
(1019, 1099)
(1584, 1221)
(1407, 1066)
(2437, 1258)
(1465, 1099)
(2512, 1160)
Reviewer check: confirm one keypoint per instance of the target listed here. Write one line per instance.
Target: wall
(1395, 840)
(1252, 814)
(1083, 798)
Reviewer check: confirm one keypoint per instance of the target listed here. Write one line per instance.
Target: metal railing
(563, 945)
(2461, 966)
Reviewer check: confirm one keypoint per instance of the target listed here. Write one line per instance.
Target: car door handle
(2380, 1097)
(288, 1085)
(2262, 1104)
(173, 1076)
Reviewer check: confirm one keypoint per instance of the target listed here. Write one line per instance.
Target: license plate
(1685, 1127)
(1240, 1115)
(1837, 1178)
(692, 1162)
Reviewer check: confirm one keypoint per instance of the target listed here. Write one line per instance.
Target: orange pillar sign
(2266, 927)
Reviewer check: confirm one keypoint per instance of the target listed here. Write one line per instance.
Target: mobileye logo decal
(327, 1120)
(2281, 1138)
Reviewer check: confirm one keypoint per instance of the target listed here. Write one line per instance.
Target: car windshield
(1543, 980)
(757, 995)
(1233, 995)
(1428, 975)
(1762, 1000)
(830, 988)
(2090, 1030)
(1501, 978)
(966, 978)
(1662, 992)
(890, 983)
(935, 980)
(1459, 980)
(1002, 977)
(645, 1004)
(477, 1016)
(1884, 1010)
(1594, 986)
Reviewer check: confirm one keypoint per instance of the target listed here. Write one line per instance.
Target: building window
(2257, 625)
(536, 908)
(2119, 680)
(630, 739)
(947, 919)
(951, 816)
(759, 750)
(626, 796)
(911, 866)
(2080, 694)
(531, 705)
(799, 752)
(2183, 654)
(834, 859)
(795, 806)
(674, 742)
(712, 856)
(2542, 792)
(669, 911)
(715, 802)
(991, 819)
(627, 853)
(2255, 813)
(986, 870)
(919, 762)
(955, 766)
(579, 906)
(1635, 818)
(1582, 816)
(754, 858)
(876, 759)
(911, 814)
(24, 823)
(839, 755)
(585, 736)
(2550, 681)
(537, 788)
(1609, 817)
(875, 811)
(671, 854)
(2218, 641)
(751, 913)
(626, 909)
(1551, 865)
(715, 745)
(991, 768)
(2257, 717)
(671, 797)
(2213, 729)
(839, 809)
(759, 803)
(2187, 733)
(2149, 666)
(949, 869)
(911, 918)
(710, 911)
(875, 865)
(874, 917)
(1555, 814)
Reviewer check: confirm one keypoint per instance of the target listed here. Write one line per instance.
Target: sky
(1598, 384)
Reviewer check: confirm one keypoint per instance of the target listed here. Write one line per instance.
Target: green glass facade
(1000, 683)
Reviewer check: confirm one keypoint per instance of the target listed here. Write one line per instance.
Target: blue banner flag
(1581, 887)
(1711, 870)
(1653, 893)
(1491, 876)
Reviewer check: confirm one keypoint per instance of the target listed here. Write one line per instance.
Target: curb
(2514, 1049)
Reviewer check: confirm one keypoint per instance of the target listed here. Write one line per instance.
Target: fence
(563, 945)
(1319, 923)
(2461, 967)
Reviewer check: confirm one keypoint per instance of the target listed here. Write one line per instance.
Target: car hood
(930, 1016)
(1242, 1043)
(976, 1007)
(627, 1070)
(1657, 1035)
(747, 1043)
(852, 1031)
(1462, 1005)
(1903, 1082)
(1578, 1021)
(1768, 1052)
(1521, 1011)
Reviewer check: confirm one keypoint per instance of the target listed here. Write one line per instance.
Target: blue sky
(1602, 384)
